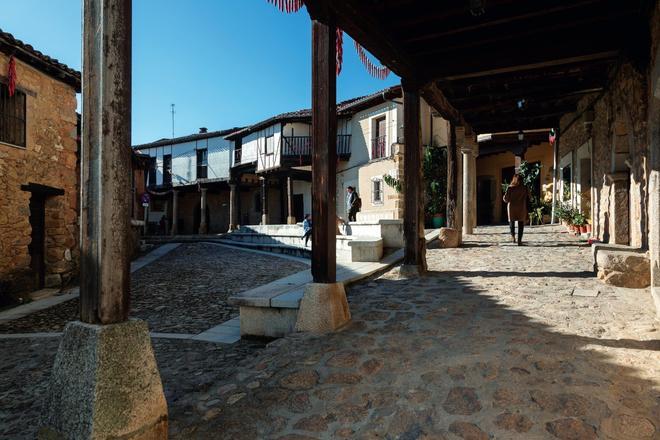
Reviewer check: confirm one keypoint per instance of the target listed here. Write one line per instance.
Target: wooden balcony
(299, 148)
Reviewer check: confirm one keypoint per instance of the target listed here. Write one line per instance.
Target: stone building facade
(38, 171)
(614, 139)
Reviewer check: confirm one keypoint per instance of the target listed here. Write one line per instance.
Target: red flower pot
(583, 229)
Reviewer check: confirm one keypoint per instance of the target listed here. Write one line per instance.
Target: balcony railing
(378, 147)
(301, 146)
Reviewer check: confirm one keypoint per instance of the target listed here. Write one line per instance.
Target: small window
(202, 163)
(270, 144)
(377, 191)
(12, 117)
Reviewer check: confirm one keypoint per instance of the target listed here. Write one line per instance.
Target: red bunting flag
(288, 6)
(381, 72)
(340, 49)
(11, 75)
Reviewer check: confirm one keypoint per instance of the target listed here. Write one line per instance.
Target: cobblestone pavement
(498, 341)
(491, 344)
(185, 291)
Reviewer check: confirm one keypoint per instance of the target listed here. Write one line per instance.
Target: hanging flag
(381, 72)
(11, 75)
(552, 137)
(339, 49)
(288, 6)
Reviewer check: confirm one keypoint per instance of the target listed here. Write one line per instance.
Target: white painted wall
(184, 159)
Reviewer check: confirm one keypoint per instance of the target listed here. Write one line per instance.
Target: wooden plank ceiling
(510, 65)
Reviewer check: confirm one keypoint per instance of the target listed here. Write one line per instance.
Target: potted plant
(435, 180)
(579, 221)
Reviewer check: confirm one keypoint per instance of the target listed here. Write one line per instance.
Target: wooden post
(175, 212)
(106, 163)
(291, 219)
(324, 152)
(264, 201)
(452, 184)
(233, 207)
(203, 227)
(413, 215)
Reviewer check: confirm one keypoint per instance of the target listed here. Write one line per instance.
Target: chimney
(203, 129)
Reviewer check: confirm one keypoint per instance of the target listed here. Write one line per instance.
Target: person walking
(307, 228)
(516, 197)
(353, 203)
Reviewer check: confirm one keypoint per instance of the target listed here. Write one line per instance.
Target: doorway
(37, 246)
(485, 206)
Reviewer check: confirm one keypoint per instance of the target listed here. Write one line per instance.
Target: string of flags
(381, 72)
(287, 6)
(11, 75)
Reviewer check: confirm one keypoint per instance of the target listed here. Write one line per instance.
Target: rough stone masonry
(49, 160)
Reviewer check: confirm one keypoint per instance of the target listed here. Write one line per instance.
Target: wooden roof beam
(604, 55)
(437, 99)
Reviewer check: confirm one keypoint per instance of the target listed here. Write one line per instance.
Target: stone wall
(50, 158)
(619, 145)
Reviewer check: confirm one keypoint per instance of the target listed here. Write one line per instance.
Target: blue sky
(224, 63)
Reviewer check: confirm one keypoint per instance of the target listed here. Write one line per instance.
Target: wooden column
(233, 207)
(264, 201)
(413, 214)
(203, 227)
(324, 152)
(452, 183)
(175, 212)
(106, 163)
(290, 219)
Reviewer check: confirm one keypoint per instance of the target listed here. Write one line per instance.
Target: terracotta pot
(588, 228)
(583, 229)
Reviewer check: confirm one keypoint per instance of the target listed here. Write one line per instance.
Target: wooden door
(36, 247)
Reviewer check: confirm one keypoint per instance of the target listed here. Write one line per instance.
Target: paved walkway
(499, 341)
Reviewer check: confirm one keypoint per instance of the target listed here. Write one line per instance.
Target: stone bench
(366, 249)
(621, 265)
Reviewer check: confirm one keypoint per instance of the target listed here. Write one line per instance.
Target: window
(202, 163)
(270, 144)
(151, 175)
(12, 117)
(378, 145)
(167, 169)
(377, 191)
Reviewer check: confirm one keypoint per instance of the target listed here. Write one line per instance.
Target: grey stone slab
(289, 300)
(586, 292)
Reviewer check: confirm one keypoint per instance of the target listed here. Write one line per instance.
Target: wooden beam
(436, 99)
(497, 18)
(413, 221)
(324, 152)
(106, 163)
(606, 55)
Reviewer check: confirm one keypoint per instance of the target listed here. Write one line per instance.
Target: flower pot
(588, 228)
(583, 229)
(438, 221)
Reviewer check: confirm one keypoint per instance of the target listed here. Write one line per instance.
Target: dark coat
(516, 198)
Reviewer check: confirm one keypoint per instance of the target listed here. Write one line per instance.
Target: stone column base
(411, 271)
(323, 308)
(232, 228)
(105, 384)
(203, 229)
(291, 221)
(264, 219)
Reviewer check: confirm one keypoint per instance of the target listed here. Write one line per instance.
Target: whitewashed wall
(254, 148)
(184, 159)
